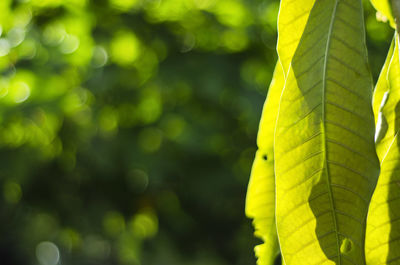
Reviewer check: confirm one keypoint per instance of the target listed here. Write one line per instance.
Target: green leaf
(382, 86)
(384, 7)
(380, 97)
(383, 224)
(292, 20)
(260, 200)
(325, 162)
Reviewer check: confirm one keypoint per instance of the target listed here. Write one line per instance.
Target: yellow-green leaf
(380, 97)
(292, 19)
(260, 200)
(381, 86)
(325, 162)
(383, 224)
(384, 7)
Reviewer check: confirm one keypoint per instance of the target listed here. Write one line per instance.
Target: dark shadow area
(10, 256)
(278, 260)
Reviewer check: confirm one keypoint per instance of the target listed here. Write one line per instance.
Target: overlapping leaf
(325, 162)
(260, 200)
(383, 226)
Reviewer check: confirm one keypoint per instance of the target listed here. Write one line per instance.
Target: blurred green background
(128, 127)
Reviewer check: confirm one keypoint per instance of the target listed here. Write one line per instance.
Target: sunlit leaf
(325, 163)
(260, 201)
(381, 86)
(384, 8)
(292, 20)
(383, 229)
(379, 99)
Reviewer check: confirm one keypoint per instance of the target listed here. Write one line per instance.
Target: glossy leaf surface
(325, 162)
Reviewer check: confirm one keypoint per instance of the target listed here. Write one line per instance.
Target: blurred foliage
(128, 127)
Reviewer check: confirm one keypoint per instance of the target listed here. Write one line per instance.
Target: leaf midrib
(328, 42)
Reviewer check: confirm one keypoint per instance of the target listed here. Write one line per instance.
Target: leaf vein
(348, 89)
(351, 150)
(347, 45)
(349, 130)
(303, 117)
(351, 191)
(346, 65)
(349, 169)
(349, 111)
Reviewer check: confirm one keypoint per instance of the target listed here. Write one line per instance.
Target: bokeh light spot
(232, 13)
(4, 47)
(377, 31)
(47, 253)
(20, 91)
(3, 87)
(204, 4)
(12, 192)
(137, 180)
(16, 36)
(54, 34)
(46, 3)
(70, 44)
(381, 17)
(43, 226)
(150, 139)
(173, 126)
(125, 48)
(70, 239)
(113, 223)
(144, 224)
(150, 108)
(95, 247)
(108, 119)
(169, 202)
(27, 49)
(129, 249)
(268, 13)
(99, 57)
(124, 5)
(189, 42)
(235, 40)
(256, 73)
(77, 100)
(22, 15)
